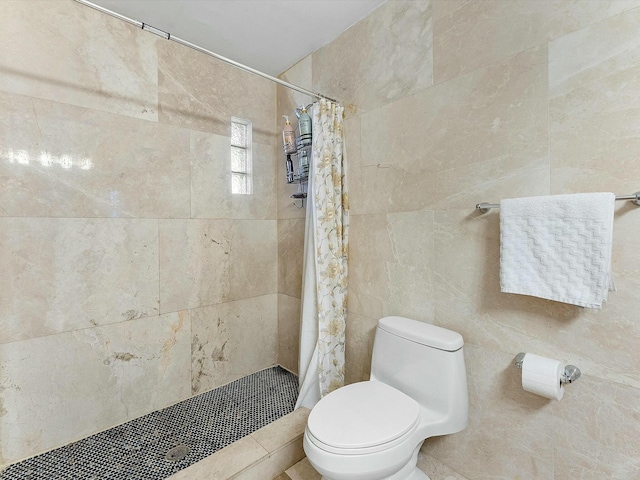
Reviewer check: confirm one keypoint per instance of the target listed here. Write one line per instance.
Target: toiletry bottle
(288, 136)
(304, 162)
(289, 169)
(304, 124)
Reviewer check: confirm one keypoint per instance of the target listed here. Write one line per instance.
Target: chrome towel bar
(635, 198)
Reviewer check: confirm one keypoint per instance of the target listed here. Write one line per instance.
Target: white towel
(558, 247)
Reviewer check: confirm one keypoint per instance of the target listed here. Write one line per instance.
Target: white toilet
(373, 430)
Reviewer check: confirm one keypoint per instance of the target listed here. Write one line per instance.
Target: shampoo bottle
(288, 137)
(304, 124)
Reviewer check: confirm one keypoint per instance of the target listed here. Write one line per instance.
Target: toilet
(373, 430)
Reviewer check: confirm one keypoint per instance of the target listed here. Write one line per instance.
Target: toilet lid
(363, 415)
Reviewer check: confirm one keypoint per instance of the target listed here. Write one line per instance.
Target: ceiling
(268, 35)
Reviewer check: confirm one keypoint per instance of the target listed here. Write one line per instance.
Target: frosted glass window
(238, 159)
(238, 134)
(241, 180)
(239, 183)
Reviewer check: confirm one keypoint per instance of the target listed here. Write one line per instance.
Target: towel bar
(485, 207)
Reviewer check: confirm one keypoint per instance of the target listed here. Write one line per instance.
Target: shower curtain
(324, 283)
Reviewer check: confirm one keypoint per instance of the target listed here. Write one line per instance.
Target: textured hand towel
(558, 247)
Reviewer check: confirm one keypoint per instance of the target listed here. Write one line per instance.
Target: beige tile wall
(111, 68)
(290, 223)
(131, 277)
(460, 102)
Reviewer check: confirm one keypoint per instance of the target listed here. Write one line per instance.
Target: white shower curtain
(324, 283)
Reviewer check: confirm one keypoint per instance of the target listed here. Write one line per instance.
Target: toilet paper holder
(570, 375)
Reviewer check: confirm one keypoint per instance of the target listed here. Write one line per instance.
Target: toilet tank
(425, 362)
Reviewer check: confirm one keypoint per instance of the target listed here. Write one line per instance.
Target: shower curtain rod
(168, 36)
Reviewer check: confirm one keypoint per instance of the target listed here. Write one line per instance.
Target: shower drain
(177, 453)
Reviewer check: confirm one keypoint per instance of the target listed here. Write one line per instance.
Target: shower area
(151, 250)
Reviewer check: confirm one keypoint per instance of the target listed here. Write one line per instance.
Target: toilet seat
(362, 417)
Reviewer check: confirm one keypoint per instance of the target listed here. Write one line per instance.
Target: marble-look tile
(481, 134)
(202, 93)
(465, 121)
(49, 407)
(299, 74)
(204, 262)
(353, 148)
(467, 285)
(288, 332)
(603, 420)
(443, 8)
(369, 252)
(490, 447)
(574, 465)
(194, 263)
(468, 300)
(211, 195)
(156, 354)
(73, 54)
(387, 188)
(409, 276)
(232, 339)
(274, 464)
(391, 257)
(303, 470)
(225, 463)
(470, 35)
(436, 469)
(95, 378)
(278, 434)
(594, 74)
(290, 256)
(70, 274)
(385, 56)
(359, 346)
(60, 160)
(254, 259)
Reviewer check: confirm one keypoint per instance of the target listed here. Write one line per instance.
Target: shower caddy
(301, 160)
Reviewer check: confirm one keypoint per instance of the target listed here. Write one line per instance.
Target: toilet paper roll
(541, 375)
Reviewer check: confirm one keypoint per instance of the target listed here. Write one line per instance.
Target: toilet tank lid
(423, 333)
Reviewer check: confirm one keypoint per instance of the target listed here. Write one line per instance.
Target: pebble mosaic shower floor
(137, 450)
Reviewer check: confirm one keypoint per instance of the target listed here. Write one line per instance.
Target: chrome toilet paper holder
(570, 375)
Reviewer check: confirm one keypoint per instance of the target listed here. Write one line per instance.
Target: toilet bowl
(373, 430)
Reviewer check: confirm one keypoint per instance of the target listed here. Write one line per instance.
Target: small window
(241, 181)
